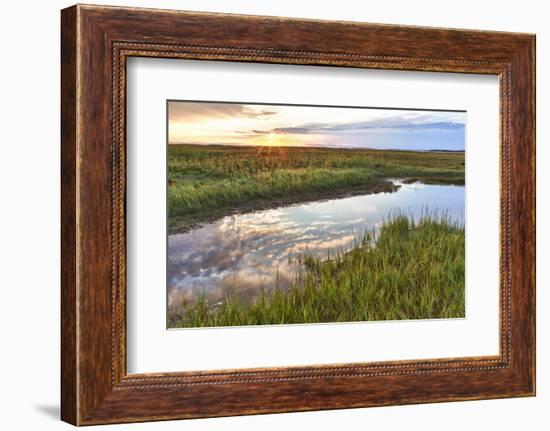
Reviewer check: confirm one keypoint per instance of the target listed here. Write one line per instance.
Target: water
(237, 254)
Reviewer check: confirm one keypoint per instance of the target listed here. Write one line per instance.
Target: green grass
(208, 182)
(410, 271)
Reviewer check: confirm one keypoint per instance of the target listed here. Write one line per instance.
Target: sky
(210, 123)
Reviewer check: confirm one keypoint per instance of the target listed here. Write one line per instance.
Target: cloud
(198, 111)
(304, 129)
(420, 122)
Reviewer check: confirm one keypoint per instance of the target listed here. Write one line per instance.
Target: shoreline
(195, 221)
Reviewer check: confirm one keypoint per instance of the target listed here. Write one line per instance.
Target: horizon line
(317, 146)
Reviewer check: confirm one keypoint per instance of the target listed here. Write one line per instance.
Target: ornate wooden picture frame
(96, 41)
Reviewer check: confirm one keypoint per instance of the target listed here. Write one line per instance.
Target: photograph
(301, 214)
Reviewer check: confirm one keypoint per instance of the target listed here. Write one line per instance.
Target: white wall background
(29, 227)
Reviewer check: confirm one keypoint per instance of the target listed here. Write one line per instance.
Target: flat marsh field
(206, 182)
(406, 269)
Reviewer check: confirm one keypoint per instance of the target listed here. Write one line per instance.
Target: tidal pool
(242, 253)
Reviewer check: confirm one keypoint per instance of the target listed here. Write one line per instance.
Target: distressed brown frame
(95, 43)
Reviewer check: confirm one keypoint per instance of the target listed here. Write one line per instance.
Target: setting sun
(272, 139)
(275, 140)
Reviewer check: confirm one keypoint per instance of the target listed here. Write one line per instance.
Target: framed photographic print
(263, 215)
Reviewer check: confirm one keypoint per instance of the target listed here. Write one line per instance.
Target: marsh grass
(406, 270)
(207, 182)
